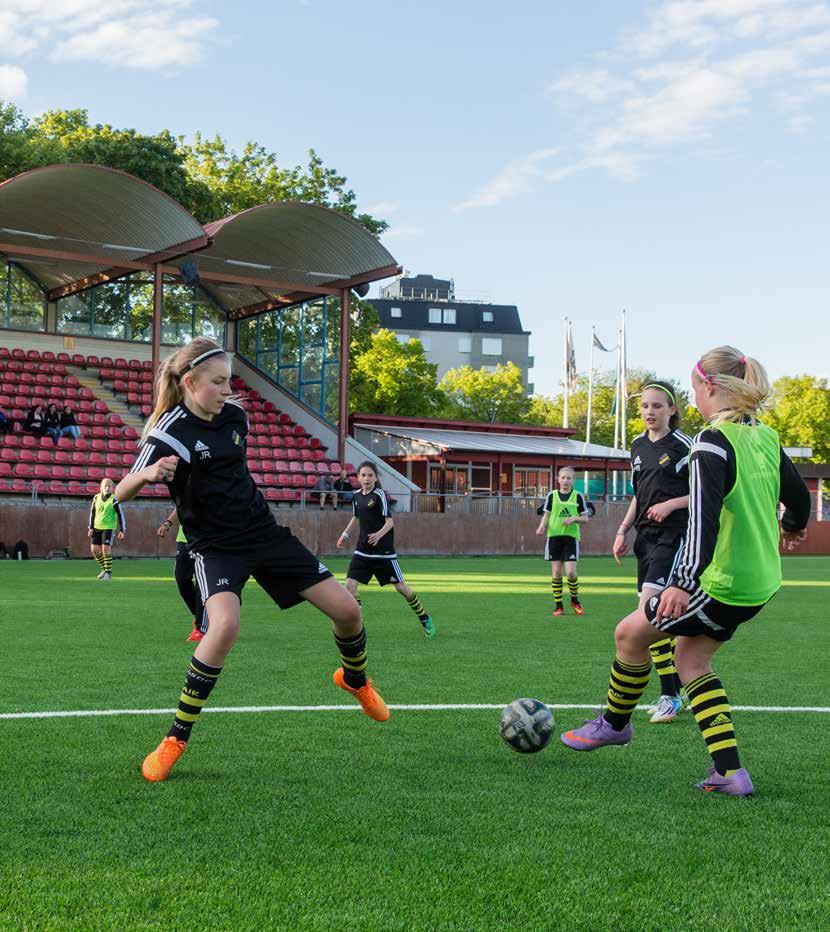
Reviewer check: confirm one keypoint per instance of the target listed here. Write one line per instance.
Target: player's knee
(346, 616)
(689, 665)
(224, 626)
(629, 632)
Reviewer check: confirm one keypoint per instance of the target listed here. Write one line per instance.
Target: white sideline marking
(438, 707)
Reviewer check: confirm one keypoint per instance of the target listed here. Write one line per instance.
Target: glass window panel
(313, 396)
(209, 322)
(332, 382)
(465, 344)
(269, 330)
(74, 314)
(289, 378)
(449, 315)
(435, 315)
(313, 323)
(177, 315)
(332, 328)
(247, 338)
(268, 363)
(26, 306)
(290, 337)
(312, 363)
(491, 346)
(110, 309)
(141, 311)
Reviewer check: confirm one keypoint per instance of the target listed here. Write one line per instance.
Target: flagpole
(566, 373)
(617, 405)
(590, 397)
(624, 386)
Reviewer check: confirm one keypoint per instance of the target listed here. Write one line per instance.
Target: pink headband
(701, 373)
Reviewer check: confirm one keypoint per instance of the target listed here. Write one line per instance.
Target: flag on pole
(570, 356)
(599, 345)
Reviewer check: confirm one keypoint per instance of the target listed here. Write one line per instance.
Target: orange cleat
(559, 609)
(370, 701)
(195, 635)
(159, 763)
(576, 605)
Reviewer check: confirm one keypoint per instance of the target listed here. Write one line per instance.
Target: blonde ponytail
(742, 380)
(169, 390)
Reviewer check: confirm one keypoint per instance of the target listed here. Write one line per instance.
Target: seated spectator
(6, 424)
(69, 426)
(35, 422)
(52, 423)
(324, 488)
(343, 488)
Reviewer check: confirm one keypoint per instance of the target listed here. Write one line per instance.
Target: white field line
(438, 707)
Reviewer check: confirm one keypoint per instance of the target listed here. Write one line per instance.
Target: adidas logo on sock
(721, 719)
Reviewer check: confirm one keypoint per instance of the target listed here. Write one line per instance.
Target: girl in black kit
(375, 554)
(195, 442)
(659, 511)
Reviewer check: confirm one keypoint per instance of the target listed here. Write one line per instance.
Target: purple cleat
(739, 784)
(596, 733)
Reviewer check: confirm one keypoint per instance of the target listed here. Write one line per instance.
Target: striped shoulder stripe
(382, 496)
(235, 403)
(141, 460)
(168, 417)
(701, 446)
(683, 438)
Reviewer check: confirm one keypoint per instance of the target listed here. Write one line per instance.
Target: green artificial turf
(327, 820)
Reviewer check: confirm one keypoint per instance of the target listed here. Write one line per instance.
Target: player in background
(184, 573)
(106, 517)
(562, 515)
(659, 511)
(729, 568)
(374, 553)
(195, 441)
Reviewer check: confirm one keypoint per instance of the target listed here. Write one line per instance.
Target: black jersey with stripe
(371, 511)
(714, 470)
(218, 503)
(660, 472)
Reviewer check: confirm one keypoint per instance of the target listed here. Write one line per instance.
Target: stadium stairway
(114, 403)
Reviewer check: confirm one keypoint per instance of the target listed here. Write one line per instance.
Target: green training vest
(180, 538)
(746, 567)
(559, 510)
(105, 517)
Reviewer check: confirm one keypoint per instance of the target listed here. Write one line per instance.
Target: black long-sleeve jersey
(218, 503)
(371, 511)
(713, 470)
(660, 472)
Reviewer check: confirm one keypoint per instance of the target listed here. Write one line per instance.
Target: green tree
(15, 141)
(391, 378)
(479, 395)
(801, 414)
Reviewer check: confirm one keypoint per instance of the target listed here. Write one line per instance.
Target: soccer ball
(526, 725)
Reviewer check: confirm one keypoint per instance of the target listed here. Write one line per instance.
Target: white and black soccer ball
(526, 725)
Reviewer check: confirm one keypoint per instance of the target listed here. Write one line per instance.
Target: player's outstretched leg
(414, 603)
(201, 677)
(350, 636)
(629, 678)
(573, 590)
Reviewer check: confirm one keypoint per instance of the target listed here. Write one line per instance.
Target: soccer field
(325, 819)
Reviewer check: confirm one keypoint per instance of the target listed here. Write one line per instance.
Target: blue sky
(574, 157)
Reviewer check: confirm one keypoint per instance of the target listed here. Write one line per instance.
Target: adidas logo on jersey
(203, 449)
(661, 581)
(720, 720)
(321, 568)
(637, 464)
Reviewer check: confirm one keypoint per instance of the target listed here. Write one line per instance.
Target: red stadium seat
(107, 363)
(24, 470)
(273, 495)
(97, 459)
(30, 441)
(78, 360)
(130, 433)
(99, 446)
(58, 488)
(120, 364)
(6, 469)
(335, 467)
(4, 352)
(92, 488)
(309, 468)
(284, 478)
(13, 440)
(298, 480)
(18, 354)
(75, 488)
(18, 485)
(9, 454)
(93, 361)
(27, 455)
(64, 358)
(315, 443)
(34, 355)
(43, 456)
(42, 472)
(47, 356)
(96, 473)
(77, 472)
(63, 456)
(147, 365)
(59, 472)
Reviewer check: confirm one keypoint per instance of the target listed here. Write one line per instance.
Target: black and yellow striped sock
(99, 559)
(107, 562)
(573, 588)
(662, 653)
(556, 586)
(627, 685)
(353, 657)
(415, 604)
(358, 599)
(200, 680)
(713, 715)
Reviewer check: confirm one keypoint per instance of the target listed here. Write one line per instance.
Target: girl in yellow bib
(105, 518)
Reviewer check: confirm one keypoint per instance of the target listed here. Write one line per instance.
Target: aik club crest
(664, 460)
(236, 439)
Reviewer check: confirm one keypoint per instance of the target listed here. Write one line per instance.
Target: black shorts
(385, 570)
(706, 615)
(282, 565)
(658, 552)
(563, 548)
(103, 537)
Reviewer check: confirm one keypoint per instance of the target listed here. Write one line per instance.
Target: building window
(402, 338)
(465, 344)
(435, 315)
(395, 311)
(449, 315)
(491, 346)
(487, 317)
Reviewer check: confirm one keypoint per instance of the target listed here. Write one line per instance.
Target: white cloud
(517, 177)
(383, 208)
(13, 82)
(135, 34)
(403, 230)
(690, 68)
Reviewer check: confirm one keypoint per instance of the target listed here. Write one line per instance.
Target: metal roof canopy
(75, 226)
(456, 440)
